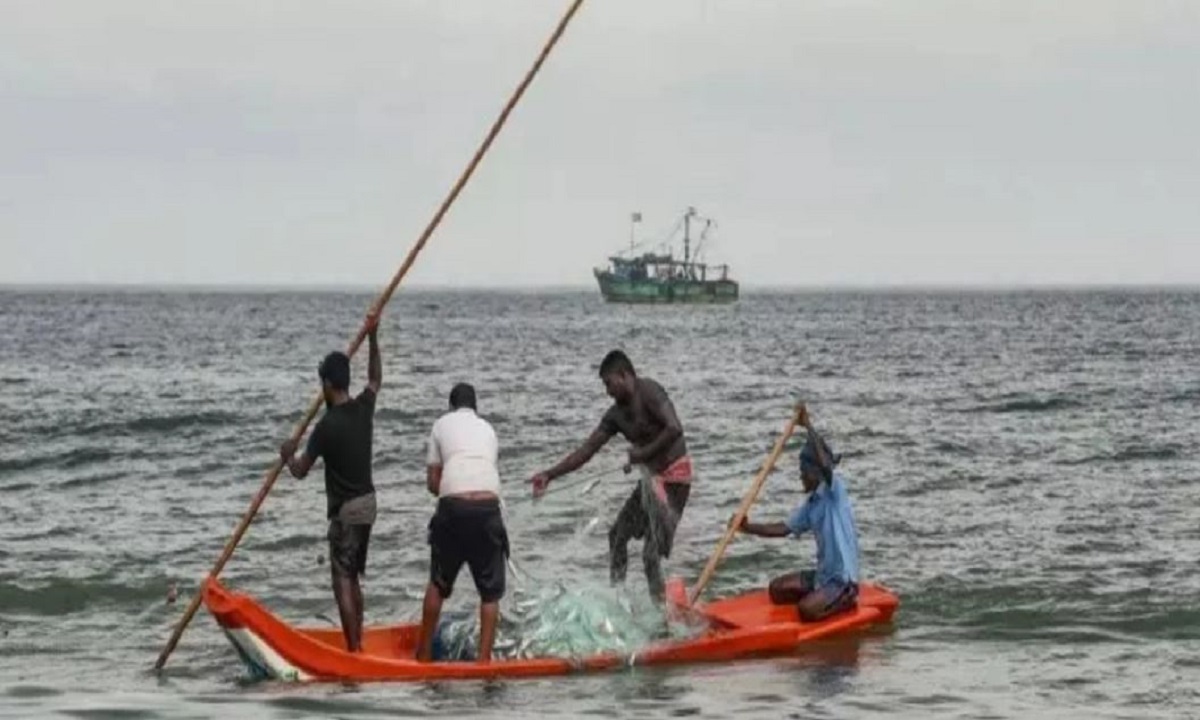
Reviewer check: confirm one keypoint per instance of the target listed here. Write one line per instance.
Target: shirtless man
(643, 414)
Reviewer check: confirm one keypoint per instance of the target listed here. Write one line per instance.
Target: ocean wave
(393, 414)
(1160, 452)
(952, 448)
(31, 691)
(80, 457)
(1185, 396)
(870, 432)
(93, 424)
(91, 480)
(943, 483)
(1026, 404)
(1048, 610)
(20, 464)
(1066, 625)
(289, 542)
(77, 457)
(174, 422)
(64, 596)
(1129, 454)
(17, 487)
(207, 468)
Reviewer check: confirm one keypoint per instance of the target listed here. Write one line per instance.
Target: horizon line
(766, 288)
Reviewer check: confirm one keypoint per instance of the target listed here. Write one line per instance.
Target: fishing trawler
(661, 278)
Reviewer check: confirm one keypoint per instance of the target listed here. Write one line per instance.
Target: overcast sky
(834, 141)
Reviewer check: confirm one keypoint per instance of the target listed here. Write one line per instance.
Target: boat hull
(741, 627)
(617, 289)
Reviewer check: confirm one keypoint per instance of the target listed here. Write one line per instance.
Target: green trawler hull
(658, 278)
(618, 289)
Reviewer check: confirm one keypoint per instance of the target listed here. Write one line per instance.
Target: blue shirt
(827, 513)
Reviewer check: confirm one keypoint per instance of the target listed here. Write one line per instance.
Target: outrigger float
(741, 627)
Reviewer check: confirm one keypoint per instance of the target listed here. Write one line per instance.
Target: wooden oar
(747, 501)
(315, 405)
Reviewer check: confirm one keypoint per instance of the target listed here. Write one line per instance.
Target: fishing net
(562, 622)
(660, 508)
(573, 622)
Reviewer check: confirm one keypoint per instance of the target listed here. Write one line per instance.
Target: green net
(562, 622)
(554, 620)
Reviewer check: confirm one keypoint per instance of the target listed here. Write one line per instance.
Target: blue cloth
(827, 513)
(808, 456)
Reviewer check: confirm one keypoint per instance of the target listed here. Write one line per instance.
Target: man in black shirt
(342, 438)
(643, 414)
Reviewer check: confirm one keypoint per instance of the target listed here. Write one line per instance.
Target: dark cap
(335, 370)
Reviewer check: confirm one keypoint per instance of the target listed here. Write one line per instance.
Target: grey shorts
(350, 534)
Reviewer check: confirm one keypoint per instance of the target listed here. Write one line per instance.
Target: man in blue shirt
(826, 512)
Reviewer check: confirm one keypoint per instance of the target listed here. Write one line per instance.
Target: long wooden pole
(748, 500)
(384, 297)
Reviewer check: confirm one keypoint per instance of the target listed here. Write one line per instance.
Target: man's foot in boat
(430, 610)
(348, 596)
(489, 613)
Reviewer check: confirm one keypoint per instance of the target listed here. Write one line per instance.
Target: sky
(835, 142)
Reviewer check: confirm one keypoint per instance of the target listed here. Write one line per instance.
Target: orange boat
(738, 627)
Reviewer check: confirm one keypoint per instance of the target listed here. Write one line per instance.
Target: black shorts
(471, 532)
(349, 535)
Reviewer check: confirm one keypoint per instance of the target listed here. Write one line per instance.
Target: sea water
(1024, 466)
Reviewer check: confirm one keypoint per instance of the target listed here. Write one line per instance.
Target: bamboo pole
(377, 307)
(747, 500)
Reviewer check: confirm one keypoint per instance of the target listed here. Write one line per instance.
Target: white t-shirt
(465, 446)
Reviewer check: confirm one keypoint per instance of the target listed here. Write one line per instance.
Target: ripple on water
(976, 428)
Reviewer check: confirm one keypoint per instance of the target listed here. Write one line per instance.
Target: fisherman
(342, 438)
(644, 415)
(833, 586)
(467, 526)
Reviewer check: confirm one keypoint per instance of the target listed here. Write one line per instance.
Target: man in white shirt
(467, 526)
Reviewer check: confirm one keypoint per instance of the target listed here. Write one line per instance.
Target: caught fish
(519, 576)
(523, 648)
